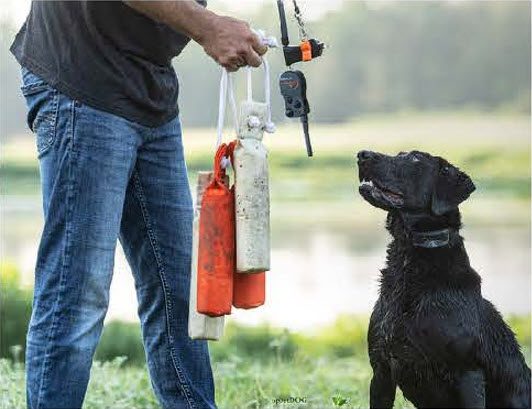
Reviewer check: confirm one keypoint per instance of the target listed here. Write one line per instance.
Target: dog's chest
(420, 376)
(402, 306)
(396, 331)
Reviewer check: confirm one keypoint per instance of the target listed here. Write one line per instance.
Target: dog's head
(413, 181)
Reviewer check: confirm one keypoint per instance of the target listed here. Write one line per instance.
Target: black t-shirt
(104, 54)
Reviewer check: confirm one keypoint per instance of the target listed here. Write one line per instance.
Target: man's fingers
(261, 50)
(253, 59)
(258, 46)
(232, 44)
(247, 51)
(233, 63)
(240, 62)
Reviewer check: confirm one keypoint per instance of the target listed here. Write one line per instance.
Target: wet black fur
(431, 332)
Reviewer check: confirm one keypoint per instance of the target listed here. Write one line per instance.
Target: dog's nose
(365, 155)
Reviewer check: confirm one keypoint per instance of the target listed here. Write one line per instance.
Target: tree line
(397, 56)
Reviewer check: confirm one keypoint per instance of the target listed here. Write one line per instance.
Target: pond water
(318, 272)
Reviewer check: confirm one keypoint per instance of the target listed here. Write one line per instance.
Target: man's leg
(156, 235)
(86, 157)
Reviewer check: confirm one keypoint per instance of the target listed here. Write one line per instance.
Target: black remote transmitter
(294, 91)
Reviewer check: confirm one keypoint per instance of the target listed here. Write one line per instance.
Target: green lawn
(239, 384)
(253, 367)
(322, 383)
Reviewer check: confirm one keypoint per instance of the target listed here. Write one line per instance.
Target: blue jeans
(103, 178)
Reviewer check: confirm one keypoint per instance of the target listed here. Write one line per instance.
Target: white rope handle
(269, 126)
(249, 84)
(226, 87)
(221, 108)
(232, 101)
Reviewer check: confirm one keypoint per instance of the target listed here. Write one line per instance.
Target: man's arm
(229, 41)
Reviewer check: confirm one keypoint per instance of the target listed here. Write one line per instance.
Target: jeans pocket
(42, 103)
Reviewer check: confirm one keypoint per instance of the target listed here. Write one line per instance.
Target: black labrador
(431, 333)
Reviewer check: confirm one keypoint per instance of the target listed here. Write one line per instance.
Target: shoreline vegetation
(494, 149)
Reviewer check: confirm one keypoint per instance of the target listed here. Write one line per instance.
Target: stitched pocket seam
(51, 131)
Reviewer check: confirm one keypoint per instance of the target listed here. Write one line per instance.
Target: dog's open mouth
(370, 188)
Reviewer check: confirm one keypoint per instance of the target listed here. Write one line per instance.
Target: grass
(239, 384)
(254, 367)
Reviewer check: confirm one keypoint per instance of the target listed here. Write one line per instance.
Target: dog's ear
(451, 188)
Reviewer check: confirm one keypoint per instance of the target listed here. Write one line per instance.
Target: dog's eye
(415, 158)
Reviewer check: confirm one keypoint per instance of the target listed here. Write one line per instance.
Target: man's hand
(230, 42)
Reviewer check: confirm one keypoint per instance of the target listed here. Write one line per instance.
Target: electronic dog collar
(428, 239)
(433, 239)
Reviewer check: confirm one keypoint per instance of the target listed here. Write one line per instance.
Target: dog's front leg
(471, 389)
(382, 388)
